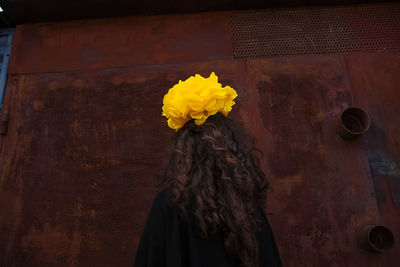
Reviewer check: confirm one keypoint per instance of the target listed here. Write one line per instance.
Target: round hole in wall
(381, 238)
(353, 122)
(376, 238)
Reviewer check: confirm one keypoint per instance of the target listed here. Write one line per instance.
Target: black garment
(169, 240)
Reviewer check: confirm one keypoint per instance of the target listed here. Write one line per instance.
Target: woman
(211, 212)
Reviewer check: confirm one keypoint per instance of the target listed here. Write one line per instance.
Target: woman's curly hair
(216, 177)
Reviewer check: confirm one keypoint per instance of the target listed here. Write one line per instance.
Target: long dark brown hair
(214, 174)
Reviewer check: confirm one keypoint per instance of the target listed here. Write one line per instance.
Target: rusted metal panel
(375, 83)
(77, 45)
(82, 147)
(92, 141)
(321, 183)
(79, 161)
(316, 30)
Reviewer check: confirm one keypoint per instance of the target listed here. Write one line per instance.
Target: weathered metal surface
(316, 30)
(4, 120)
(321, 183)
(79, 161)
(82, 147)
(375, 80)
(132, 41)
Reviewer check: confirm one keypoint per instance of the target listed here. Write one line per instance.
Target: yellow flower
(197, 98)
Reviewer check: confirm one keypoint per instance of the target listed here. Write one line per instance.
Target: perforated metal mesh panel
(325, 30)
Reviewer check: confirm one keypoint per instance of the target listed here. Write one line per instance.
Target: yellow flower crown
(197, 98)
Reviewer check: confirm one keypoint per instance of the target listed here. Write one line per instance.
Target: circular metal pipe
(353, 122)
(376, 238)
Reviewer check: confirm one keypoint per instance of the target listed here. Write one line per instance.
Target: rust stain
(77, 129)
(95, 244)
(78, 207)
(54, 85)
(132, 123)
(50, 243)
(79, 83)
(38, 105)
(96, 44)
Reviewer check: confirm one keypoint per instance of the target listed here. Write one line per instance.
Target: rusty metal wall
(85, 139)
(375, 80)
(316, 30)
(135, 41)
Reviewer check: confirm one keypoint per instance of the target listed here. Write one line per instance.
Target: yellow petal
(197, 98)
